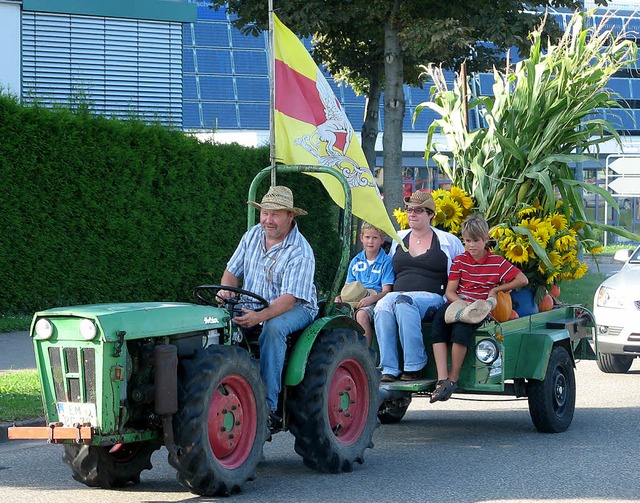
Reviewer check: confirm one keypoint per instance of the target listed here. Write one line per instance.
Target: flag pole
(272, 96)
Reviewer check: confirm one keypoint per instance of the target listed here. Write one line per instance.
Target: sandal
(443, 391)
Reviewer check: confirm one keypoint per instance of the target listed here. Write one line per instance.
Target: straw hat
(278, 197)
(420, 199)
(472, 313)
(352, 293)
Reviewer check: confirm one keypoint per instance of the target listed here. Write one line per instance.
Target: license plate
(70, 414)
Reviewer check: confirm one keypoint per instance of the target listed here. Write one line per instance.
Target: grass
(581, 291)
(20, 395)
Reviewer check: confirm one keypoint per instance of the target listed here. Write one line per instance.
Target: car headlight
(43, 329)
(88, 329)
(610, 297)
(487, 351)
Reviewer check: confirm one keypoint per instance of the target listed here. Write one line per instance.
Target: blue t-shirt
(373, 276)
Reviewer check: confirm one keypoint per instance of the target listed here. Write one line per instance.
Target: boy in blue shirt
(372, 268)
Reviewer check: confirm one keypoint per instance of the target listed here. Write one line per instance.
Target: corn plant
(545, 115)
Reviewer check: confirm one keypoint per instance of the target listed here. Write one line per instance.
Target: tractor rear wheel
(112, 466)
(333, 411)
(221, 426)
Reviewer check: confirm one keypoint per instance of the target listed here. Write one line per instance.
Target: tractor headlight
(88, 329)
(44, 329)
(487, 351)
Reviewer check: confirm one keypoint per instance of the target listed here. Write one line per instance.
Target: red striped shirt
(477, 278)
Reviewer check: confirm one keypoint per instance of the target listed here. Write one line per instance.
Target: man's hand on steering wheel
(248, 318)
(212, 294)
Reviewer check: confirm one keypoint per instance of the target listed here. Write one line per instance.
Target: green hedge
(100, 210)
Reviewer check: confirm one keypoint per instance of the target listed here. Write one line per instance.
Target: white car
(617, 312)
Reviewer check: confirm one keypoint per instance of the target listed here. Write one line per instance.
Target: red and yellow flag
(311, 128)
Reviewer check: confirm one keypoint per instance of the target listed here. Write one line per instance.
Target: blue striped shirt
(286, 268)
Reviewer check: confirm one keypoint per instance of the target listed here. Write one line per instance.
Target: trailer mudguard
(538, 342)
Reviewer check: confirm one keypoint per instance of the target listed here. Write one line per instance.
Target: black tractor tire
(333, 411)
(614, 364)
(221, 425)
(392, 411)
(109, 467)
(552, 401)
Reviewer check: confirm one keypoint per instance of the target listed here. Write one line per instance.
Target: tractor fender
(297, 363)
(535, 350)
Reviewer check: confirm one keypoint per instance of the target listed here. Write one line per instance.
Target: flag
(311, 128)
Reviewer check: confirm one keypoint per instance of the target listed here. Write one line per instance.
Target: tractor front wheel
(112, 466)
(333, 411)
(221, 426)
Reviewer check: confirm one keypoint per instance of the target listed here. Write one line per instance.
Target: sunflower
(461, 197)
(450, 210)
(565, 242)
(401, 217)
(517, 253)
(558, 221)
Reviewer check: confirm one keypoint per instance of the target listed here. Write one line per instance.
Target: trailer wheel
(392, 411)
(333, 411)
(221, 425)
(552, 401)
(112, 466)
(614, 364)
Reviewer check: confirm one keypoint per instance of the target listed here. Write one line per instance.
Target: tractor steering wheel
(207, 294)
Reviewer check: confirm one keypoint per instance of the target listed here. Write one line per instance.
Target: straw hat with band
(420, 199)
(352, 293)
(278, 197)
(469, 312)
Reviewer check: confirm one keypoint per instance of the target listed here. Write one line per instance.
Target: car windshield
(636, 255)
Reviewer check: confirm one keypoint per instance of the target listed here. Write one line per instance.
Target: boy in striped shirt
(477, 274)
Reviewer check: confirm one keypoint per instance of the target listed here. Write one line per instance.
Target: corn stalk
(544, 116)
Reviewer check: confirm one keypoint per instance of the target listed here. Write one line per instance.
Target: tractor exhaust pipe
(165, 362)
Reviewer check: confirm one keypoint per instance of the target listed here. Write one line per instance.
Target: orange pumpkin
(555, 291)
(502, 311)
(546, 304)
(514, 315)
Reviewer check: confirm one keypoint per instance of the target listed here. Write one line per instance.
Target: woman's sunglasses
(419, 211)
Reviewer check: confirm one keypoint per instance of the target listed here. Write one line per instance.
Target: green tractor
(121, 380)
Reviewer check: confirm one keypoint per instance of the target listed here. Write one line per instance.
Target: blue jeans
(273, 346)
(398, 316)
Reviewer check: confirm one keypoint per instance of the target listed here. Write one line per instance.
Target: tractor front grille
(71, 367)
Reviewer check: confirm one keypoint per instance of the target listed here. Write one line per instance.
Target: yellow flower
(558, 221)
(401, 218)
(517, 254)
(461, 197)
(529, 210)
(580, 271)
(451, 211)
(564, 243)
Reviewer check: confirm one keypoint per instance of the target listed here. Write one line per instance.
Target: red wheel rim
(348, 401)
(122, 453)
(232, 421)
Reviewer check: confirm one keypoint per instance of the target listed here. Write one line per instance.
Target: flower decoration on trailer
(544, 246)
(452, 207)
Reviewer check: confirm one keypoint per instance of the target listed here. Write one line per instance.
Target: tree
(378, 45)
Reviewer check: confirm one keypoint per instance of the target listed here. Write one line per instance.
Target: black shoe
(274, 423)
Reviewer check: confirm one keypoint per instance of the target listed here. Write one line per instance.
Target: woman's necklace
(419, 239)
